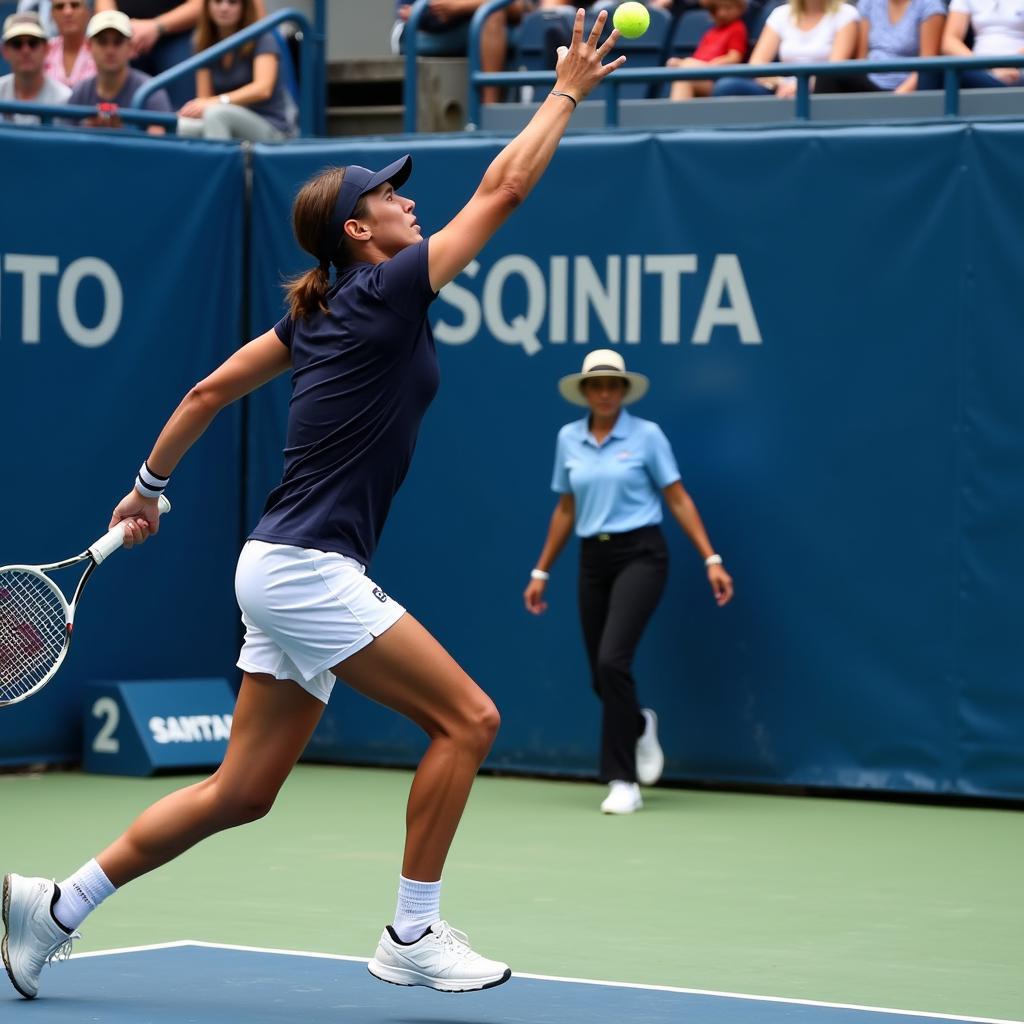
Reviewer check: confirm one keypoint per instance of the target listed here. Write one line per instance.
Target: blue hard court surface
(207, 984)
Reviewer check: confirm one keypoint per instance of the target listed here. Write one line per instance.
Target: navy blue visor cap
(356, 183)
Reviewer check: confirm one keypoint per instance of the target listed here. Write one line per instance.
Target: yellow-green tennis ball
(631, 19)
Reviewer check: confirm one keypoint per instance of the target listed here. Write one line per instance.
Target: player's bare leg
(273, 721)
(407, 670)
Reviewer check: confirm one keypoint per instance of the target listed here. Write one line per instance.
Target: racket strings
(33, 631)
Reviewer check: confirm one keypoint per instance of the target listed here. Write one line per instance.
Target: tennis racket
(36, 621)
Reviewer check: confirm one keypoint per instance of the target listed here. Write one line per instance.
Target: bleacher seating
(538, 32)
(689, 27)
(686, 34)
(757, 15)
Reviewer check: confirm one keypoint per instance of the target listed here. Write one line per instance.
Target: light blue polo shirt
(617, 484)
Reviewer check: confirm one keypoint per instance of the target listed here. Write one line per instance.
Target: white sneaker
(650, 759)
(32, 938)
(622, 798)
(440, 959)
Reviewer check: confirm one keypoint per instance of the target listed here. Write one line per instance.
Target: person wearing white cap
(161, 37)
(359, 350)
(24, 48)
(115, 83)
(612, 470)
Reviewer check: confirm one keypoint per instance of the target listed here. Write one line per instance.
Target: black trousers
(622, 576)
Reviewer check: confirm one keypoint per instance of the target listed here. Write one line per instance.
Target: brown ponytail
(307, 292)
(311, 213)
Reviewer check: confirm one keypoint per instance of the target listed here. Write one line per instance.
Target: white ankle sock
(80, 894)
(419, 906)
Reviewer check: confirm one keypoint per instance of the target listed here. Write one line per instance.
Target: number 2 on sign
(106, 742)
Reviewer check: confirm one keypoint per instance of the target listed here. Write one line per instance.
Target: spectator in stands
(24, 47)
(160, 36)
(889, 30)
(115, 83)
(998, 27)
(444, 32)
(69, 60)
(242, 96)
(798, 32)
(724, 43)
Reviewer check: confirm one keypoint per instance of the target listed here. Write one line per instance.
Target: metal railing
(48, 112)
(947, 66)
(476, 27)
(312, 66)
(411, 86)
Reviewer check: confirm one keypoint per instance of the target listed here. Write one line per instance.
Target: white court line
(180, 943)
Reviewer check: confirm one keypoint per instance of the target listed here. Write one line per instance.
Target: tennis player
(612, 471)
(364, 370)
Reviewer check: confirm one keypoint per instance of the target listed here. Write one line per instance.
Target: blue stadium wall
(831, 322)
(119, 288)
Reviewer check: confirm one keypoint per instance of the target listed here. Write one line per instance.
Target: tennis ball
(631, 19)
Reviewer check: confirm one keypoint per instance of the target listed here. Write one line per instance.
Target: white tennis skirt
(306, 611)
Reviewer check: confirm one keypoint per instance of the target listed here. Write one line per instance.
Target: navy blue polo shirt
(363, 375)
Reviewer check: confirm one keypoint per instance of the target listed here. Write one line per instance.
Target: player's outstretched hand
(579, 65)
(140, 517)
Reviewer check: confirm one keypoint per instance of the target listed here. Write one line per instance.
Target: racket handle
(114, 537)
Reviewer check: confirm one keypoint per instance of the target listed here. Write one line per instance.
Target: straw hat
(603, 362)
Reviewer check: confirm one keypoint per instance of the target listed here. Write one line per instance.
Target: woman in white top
(798, 32)
(998, 32)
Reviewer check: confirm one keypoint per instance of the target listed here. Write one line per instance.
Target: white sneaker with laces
(32, 938)
(622, 798)
(441, 959)
(650, 759)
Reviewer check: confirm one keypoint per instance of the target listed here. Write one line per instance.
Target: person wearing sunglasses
(68, 59)
(24, 48)
(161, 37)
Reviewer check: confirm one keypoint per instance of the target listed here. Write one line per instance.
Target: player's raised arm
(518, 167)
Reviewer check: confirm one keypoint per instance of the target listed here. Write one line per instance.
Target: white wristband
(539, 574)
(148, 484)
(713, 560)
